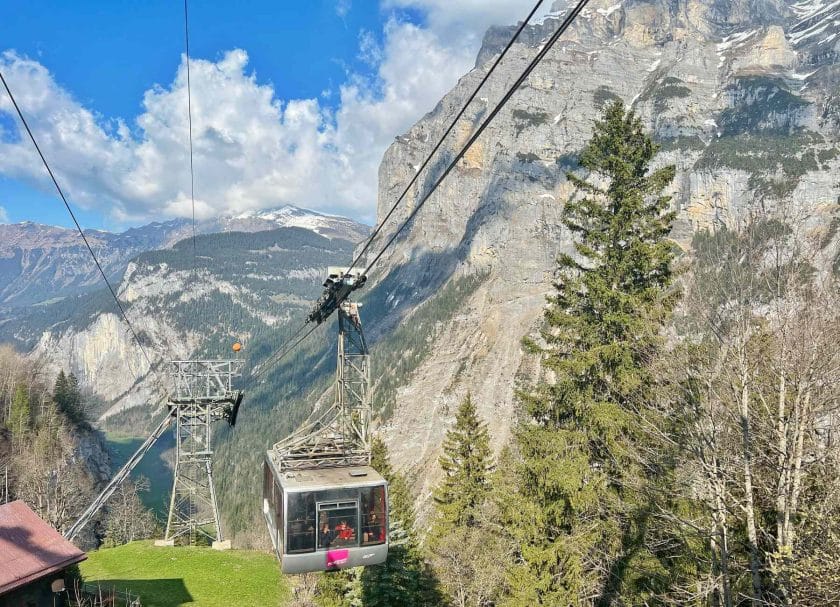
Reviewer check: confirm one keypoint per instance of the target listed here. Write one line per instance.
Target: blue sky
(293, 102)
(108, 53)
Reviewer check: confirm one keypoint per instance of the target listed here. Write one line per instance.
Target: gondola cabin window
(273, 507)
(301, 523)
(338, 524)
(373, 516)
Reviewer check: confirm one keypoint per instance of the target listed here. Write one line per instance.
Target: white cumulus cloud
(463, 22)
(4, 216)
(252, 149)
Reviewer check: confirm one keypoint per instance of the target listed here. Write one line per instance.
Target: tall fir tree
(68, 397)
(464, 542)
(60, 389)
(20, 414)
(74, 408)
(579, 511)
(466, 462)
(405, 578)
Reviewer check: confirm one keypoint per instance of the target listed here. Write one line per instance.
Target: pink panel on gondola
(337, 558)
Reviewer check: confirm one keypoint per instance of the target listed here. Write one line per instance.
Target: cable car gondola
(324, 506)
(322, 520)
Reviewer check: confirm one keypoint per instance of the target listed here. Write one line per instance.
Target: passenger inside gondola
(326, 535)
(373, 509)
(346, 535)
(337, 524)
(373, 532)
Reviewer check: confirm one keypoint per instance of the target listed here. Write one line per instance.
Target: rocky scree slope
(742, 96)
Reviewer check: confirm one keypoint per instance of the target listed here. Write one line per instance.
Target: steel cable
(570, 17)
(189, 123)
(273, 360)
(79, 227)
(443, 137)
(265, 366)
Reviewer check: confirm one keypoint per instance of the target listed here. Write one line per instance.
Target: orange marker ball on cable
(237, 347)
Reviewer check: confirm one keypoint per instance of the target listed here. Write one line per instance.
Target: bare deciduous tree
(759, 384)
(128, 519)
(49, 476)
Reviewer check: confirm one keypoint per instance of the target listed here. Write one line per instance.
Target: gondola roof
(325, 478)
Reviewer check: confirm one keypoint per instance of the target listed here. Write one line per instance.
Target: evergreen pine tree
(74, 408)
(404, 579)
(339, 588)
(466, 463)
(60, 389)
(578, 514)
(19, 414)
(465, 544)
(68, 397)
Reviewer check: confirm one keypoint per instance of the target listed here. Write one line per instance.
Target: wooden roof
(29, 548)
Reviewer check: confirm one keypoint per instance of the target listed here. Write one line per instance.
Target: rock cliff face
(743, 97)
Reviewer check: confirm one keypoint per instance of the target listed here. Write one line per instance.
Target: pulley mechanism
(338, 286)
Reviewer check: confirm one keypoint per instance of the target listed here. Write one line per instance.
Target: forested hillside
(54, 460)
(679, 443)
(186, 303)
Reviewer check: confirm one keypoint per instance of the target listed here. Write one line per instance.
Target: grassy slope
(169, 577)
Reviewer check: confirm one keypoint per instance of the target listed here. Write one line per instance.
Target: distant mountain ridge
(288, 216)
(40, 262)
(237, 286)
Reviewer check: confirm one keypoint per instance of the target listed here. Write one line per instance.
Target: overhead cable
(445, 135)
(292, 344)
(189, 121)
(76, 221)
(570, 17)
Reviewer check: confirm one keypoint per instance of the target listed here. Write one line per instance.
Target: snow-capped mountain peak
(289, 216)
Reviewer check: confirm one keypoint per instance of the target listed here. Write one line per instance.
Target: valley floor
(170, 577)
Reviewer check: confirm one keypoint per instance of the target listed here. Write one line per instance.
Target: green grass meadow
(169, 577)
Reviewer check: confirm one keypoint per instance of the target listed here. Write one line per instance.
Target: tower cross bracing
(339, 436)
(204, 393)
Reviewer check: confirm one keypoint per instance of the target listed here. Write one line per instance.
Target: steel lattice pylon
(340, 435)
(204, 393)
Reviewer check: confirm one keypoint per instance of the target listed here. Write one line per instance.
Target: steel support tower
(338, 436)
(204, 393)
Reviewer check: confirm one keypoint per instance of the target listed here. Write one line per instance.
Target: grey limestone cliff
(741, 95)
